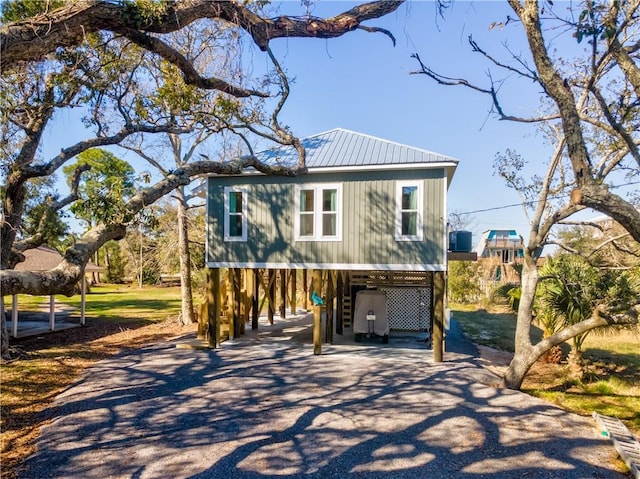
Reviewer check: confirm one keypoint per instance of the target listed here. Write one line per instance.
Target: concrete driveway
(264, 406)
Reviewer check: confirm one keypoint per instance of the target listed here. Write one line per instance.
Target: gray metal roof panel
(344, 148)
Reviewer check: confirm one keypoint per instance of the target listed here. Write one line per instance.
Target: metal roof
(343, 150)
(340, 149)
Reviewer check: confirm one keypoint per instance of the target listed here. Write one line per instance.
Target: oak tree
(591, 100)
(94, 56)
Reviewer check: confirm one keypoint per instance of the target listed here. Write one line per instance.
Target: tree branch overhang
(62, 279)
(34, 39)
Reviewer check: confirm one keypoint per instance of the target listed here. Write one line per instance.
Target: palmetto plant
(510, 292)
(570, 291)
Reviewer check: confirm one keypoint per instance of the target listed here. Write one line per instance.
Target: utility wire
(529, 203)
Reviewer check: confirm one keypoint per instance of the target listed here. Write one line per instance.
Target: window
(235, 213)
(409, 211)
(318, 212)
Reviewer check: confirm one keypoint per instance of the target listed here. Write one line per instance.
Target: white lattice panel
(409, 308)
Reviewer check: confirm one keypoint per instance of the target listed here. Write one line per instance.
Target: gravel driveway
(264, 406)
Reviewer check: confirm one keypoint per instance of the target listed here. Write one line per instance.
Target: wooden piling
(438, 315)
(293, 291)
(238, 320)
(213, 306)
(230, 310)
(203, 321)
(339, 302)
(255, 299)
(305, 290)
(271, 294)
(329, 308)
(247, 287)
(283, 293)
(317, 312)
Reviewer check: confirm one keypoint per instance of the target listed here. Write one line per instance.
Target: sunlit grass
(495, 327)
(123, 301)
(587, 400)
(115, 302)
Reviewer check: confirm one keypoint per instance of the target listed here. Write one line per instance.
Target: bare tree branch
(190, 75)
(602, 316)
(615, 126)
(623, 57)
(614, 242)
(148, 158)
(528, 74)
(378, 30)
(69, 152)
(449, 81)
(39, 237)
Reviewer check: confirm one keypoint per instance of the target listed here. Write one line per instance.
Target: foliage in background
(604, 243)
(15, 10)
(138, 247)
(104, 188)
(151, 245)
(114, 262)
(510, 292)
(166, 236)
(463, 282)
(39, 218)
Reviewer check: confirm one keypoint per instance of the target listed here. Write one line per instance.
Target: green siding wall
(367, 223)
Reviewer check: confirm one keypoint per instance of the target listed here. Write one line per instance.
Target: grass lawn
(117, 302)
(118, 318)
(611, 385)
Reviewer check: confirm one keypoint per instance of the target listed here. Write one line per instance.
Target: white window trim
(245, 210)
(317, 211)
(420, 221)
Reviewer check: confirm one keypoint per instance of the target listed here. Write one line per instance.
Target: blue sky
(361, 82)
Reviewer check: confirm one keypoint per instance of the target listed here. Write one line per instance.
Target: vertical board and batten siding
(368, 222)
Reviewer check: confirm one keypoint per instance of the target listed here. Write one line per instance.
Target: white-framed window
(235, 213)
(318, 212)
(409, 211)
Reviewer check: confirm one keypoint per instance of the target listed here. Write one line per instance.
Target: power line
(529, 203)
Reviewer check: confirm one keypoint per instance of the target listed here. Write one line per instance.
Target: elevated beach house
(506, 245)
(369, 214)
(499, 252)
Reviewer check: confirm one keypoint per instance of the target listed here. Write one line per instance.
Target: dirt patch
(541, 375)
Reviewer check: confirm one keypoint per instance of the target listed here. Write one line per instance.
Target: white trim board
(332, 266)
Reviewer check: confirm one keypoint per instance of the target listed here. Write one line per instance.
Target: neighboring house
(369, 209)
(499, 251)
(506, 245)
(44, 258)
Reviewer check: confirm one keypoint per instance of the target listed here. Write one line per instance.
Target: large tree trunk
(575, 363)
(590, 192)
(185, 259)
(525, 355)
